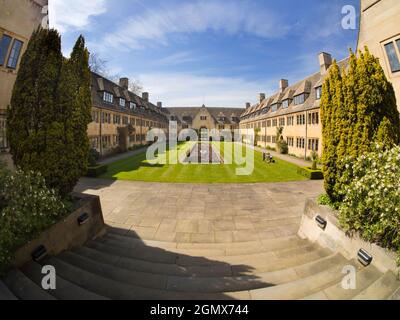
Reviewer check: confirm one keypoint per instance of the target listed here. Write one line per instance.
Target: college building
(198, 118)
(18, 20)
(296, 108)
(120, 118)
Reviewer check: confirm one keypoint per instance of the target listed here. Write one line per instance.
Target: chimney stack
(325, 61)
(124, 83)
(248, 105)
(261, 97)
(283, 84)
(159, 105)
(145, 96)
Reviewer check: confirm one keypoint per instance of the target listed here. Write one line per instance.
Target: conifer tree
(50, 111)
(358, 110)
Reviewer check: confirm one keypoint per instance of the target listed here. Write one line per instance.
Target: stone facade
(198, 118)
(120, 118)
(380, 31)
(295, 109)
(18, 19)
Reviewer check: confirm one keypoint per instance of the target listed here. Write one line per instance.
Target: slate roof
(100, 84)
(262, 110)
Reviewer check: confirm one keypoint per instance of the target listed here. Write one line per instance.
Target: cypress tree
(50, 111)
(358, 110)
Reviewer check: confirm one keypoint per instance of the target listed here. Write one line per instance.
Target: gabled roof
(216, 114)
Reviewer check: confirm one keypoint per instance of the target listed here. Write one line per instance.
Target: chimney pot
(159, 105)
(261, 97)
(145, 96)
(325, 61)
(124, 83)
(248, 105)
(283, 84)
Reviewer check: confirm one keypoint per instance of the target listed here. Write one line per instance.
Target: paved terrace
(202, 213)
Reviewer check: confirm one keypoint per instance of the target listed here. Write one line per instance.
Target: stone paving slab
(202, 213)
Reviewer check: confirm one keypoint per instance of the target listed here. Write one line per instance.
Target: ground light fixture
(83, 219)
(364, 258)
(322, 223)
(39, 253)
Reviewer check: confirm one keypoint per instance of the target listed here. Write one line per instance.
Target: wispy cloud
(230, 17)
(68, 15)
(184, 89)
(177, 58)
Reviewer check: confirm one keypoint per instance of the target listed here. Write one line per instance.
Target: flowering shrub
(28, 208)
(371, 192)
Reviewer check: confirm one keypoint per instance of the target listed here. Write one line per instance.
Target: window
(269, 123)
(300, 143)
(4, 45)
(269, 139)
(108, 97)
(132, 106)
(273, 139)
(300, 99)
(122, 102)
(301, 119)
(392, 56)
(290, 141)
(14, 54)
(313, 144)
(203, 118)
(290, 121)
(274, 107)
(318, 93)
(275, 123)
(125, 120)
(95, 116)
(282, 122)
(285, 104)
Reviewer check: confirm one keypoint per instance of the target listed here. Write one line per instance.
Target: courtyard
(137, 168)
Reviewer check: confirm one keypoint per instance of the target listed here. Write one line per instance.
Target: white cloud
(181, 89)
(231, 17)
(74, 14)
(177, 58)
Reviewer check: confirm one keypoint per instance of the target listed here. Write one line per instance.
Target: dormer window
(274, 107)
(285, 104)
(318, 93)
(300, 99)
(132, 106)
(122, 102)
(108, 97)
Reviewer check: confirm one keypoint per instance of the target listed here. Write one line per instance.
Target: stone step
(187, 284)
(24, 288)
(364, 278)
(381, 289)
(65, 290)
(5, 293)
(123, 291)
(208, 250)
(222, 270)
(301, 288)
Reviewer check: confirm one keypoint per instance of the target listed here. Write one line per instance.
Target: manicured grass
(138, 169)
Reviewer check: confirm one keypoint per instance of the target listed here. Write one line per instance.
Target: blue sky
(217, 52)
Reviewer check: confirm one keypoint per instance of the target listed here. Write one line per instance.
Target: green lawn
(138, 169)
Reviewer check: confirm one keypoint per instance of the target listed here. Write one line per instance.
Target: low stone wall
(67, 234)
(335, 239)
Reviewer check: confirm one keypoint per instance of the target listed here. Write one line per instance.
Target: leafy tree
(50, 111)
(358, 110)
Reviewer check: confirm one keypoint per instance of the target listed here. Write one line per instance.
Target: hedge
(96, 171)
(310, 174)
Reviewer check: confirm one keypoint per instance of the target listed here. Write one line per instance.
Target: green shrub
(324, 200)
(283, 147)
(94, 156)
(371, 197)
(96, 171)
(310, 173)
(29, 209)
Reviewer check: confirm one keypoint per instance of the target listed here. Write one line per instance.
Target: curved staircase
(122, 266)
